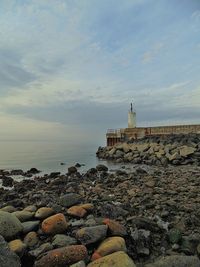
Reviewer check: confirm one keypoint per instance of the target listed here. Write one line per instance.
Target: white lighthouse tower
(131, 118)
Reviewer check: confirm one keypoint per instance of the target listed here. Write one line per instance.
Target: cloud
(150, 55)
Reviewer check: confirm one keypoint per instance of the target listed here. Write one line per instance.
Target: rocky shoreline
(137, 216)
(156, 150)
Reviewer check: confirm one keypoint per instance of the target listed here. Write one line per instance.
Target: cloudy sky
(70, 68)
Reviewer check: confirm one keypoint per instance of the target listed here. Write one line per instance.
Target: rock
(10, 226)
(87, 206)
(30, 208)
(23, 215)
(70, 199)
(54, 174)
(78, 264)
(89, 235)
(115, 228)
(108, 246)
(77, 211)
(7, 181)
(55, 224)
(42, 249)
(9, 209)
(102, 167)
(17, 246)
(176, 261)
(62, 256)
(63, 241)
(7, 257)
(72, 170)
(31, 239)
(44, 212)
(77, 165)
(116, 259)
(33, 171)
(30, 226)
(186, 151)
(174, 235)
(17, 172)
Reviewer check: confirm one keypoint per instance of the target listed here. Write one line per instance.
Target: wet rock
(77, 211)
(176, 260)
(10, 226)
(63, 241)
(7, 257)
(9, 209)
(7, 181)
(115, 228)
(31, 208)
(30, 226)
(89, 235)
(33, 171)
(116, 259)
(17, 246)
(54, 174)
(72, 170)
(41, 249)
(44, 212)
(102, 167)
(70, 199)
(55, 224)
(31, 239)
(108, 246)
(17, 172)
(23, 215)
(62, 256)
(78, 264)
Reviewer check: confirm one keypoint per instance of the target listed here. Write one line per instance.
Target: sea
(48, 156)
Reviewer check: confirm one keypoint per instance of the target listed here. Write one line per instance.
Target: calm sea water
(46, 155)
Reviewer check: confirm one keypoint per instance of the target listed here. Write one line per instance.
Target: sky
(69, 69)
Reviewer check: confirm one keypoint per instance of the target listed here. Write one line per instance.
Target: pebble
(63, 256)
(55, 224)
(43, 213)
(63, 241)
(17, 246)
(89, 235)
(116, 259)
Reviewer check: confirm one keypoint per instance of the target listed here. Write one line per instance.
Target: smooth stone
(7, 257)
(116, 259)
(44, 212)
(177, 261)
(87, 206)
(63, 256)
(115, 228)
(23, 215)
(55, 224)
(109, 246)
(30, 208)
(9, 209)
(89, 235)
(72, 170)
(70, 199)
(63, 241)
(41, 249)
(77, 211)
(17, 246)
(78, 264)
(30, 226)
(10, 226)
(31, 239)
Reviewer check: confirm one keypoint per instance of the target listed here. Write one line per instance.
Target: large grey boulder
(10, 226)
(7, 257)
(176, 261)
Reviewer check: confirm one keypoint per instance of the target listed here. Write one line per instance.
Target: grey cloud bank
(68, 65)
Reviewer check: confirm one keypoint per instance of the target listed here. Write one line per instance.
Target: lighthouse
(131, 118)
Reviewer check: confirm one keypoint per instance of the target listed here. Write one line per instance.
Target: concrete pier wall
(121, 135)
